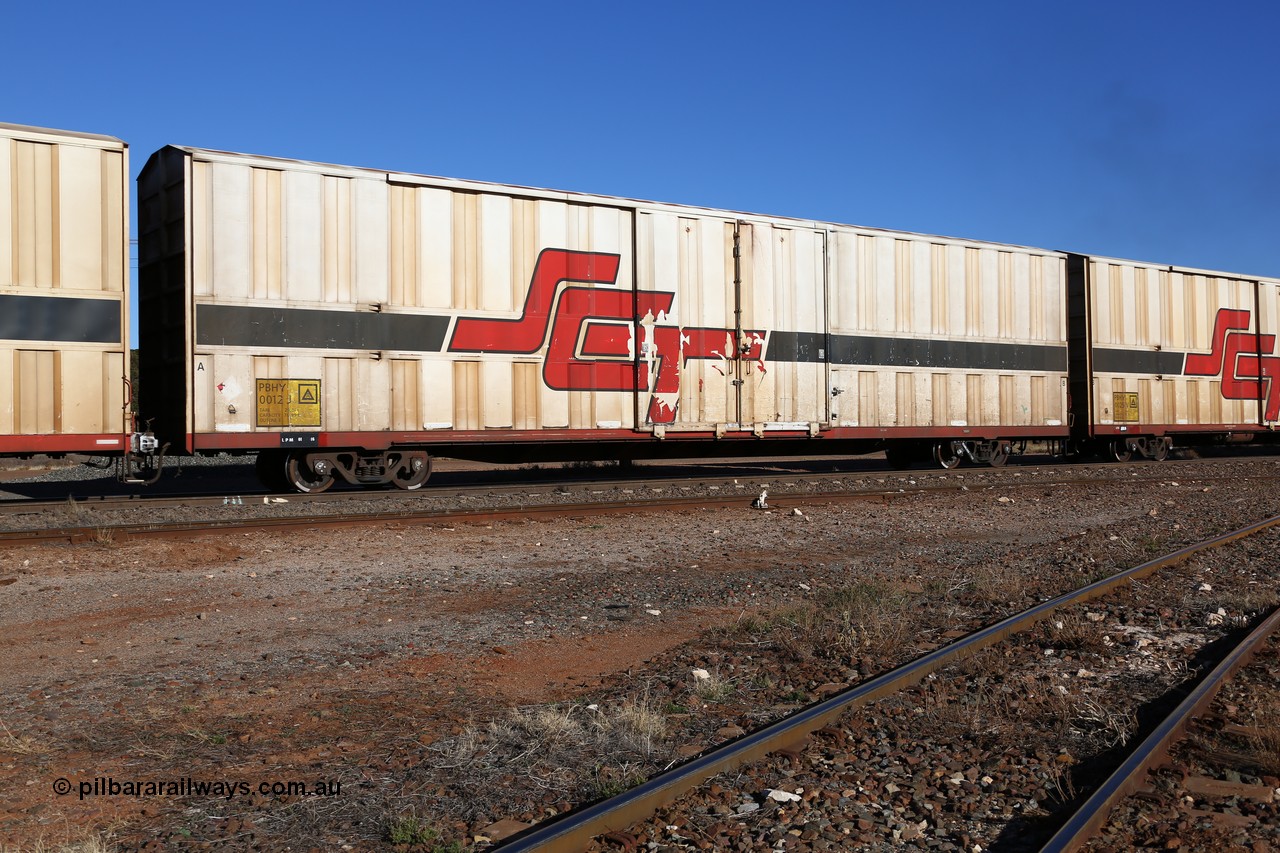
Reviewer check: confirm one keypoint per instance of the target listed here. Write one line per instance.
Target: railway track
(1132, 773)
(112, 517)
(614, 816)
(243, 485)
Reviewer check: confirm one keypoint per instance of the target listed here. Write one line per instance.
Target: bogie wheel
(1121, 451)
(1160, 450)
(944, 453)
(303, 478)
(413, 471)
(999, 455)
(270, 468)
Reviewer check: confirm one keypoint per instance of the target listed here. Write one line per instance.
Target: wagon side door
(780, 372)
(684, 322)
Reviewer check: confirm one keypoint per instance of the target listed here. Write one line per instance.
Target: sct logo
(590, 333)
(1243, 358)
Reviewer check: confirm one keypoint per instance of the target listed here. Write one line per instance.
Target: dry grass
(1242, 603)
(986, 664)
(411, 831)
(546, 745)
(875, 616)
(982, 709)
(86, 843)
(713, 688)
(547, 741)
(1058, 782)
(1265, 744)
(989, 700)
(869, 617)
(636, 725)
(72, 512)
(999, 582)
(1110, 725)
(20, 744)
(1074, 631)
(610, 781)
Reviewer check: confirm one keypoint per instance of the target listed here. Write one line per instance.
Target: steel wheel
(1121, 451)
(304, 479)
(944, 453)
(413, 471)
(1160, 451)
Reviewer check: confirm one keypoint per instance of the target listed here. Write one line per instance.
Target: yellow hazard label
(288, 402)
(1125, 406)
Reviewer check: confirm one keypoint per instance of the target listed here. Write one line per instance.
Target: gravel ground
(1221, 787)
(462, 485)
(446, 675)
(992, 754)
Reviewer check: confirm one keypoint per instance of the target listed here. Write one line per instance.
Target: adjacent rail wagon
(351, 322)
(1162, 354)
(64, 281)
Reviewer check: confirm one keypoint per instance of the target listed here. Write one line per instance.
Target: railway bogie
(314, 472)
(1124, 449)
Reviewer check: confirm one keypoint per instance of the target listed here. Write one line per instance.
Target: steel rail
(1088, 820)
(522, 511)
(575, 829)
(1041, 474)
(25, 506)
(86, 532)
(759, 477)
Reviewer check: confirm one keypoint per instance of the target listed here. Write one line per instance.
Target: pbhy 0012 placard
(288, 402)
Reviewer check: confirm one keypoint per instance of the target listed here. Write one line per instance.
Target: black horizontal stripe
(59, 318)
(797, 346)
(249, 326)
(914, 352)
(1137, 361)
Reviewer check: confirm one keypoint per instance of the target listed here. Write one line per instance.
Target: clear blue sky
(1146, 130)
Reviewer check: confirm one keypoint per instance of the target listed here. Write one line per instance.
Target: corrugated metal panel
(406, 410)
(536, 193)
(784, 290)
(274, 243)
(696, 365)
(691, 261)
(63, 276)
(466, 395)
(61, 392)
(1269, 326)
(38, 402)
(1155, 334)
(339, 394)
(976, 335)
(63, 214)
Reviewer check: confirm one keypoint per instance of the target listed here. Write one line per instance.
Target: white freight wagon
(64, 277)
(355, 322)
(1175, 352)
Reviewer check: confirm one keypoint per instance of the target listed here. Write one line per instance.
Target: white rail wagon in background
(64, 278)
(349, 321)
(1161, 352)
